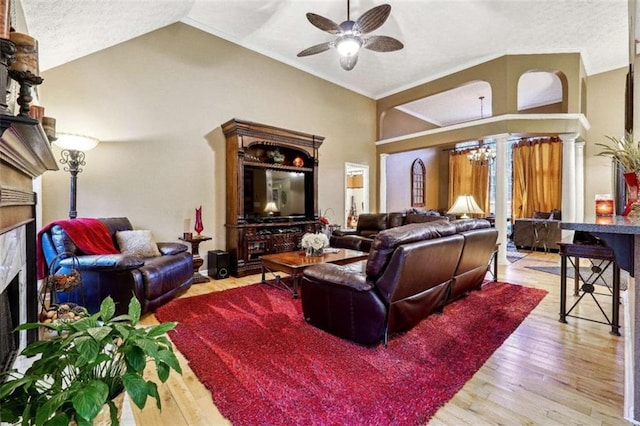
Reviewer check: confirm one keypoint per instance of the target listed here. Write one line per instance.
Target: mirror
(356, 200)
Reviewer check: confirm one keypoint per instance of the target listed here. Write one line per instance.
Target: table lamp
(464, 205)
(271, 208)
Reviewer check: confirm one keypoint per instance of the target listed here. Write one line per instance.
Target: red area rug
(265, 365)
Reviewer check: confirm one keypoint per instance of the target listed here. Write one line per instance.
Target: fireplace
(9, 319)
(15, 305)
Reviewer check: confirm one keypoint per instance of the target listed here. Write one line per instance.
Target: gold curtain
(468, 178)
(537, 176)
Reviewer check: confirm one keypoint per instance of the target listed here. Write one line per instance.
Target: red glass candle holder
(604, 205)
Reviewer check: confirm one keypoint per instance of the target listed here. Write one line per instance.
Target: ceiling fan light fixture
(350, 34)
(348, 45)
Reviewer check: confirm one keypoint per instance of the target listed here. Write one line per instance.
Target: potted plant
(626, 153)
(86, 365)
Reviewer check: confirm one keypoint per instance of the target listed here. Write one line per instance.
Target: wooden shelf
(278, 166)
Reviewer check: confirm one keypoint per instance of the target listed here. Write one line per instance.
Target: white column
(579, 146)
(382, 196)
(569, 177)
(502, 185)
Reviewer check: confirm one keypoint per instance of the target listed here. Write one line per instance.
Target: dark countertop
(611, 225)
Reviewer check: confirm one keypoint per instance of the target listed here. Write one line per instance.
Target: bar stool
(605, 259)
(540, 232)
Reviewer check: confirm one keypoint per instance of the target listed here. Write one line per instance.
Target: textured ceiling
(440, 36)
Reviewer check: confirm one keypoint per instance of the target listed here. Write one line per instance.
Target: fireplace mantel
(25, 153)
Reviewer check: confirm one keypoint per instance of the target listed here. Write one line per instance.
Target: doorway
(356, 199)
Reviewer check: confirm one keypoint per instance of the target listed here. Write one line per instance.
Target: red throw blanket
(91, 236)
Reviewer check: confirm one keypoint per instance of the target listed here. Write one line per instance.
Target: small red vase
(198, 226)
(632, 191)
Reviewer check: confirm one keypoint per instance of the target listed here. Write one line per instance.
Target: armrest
(344, 232)
(104, 262)
(335, 275)
(171, 248)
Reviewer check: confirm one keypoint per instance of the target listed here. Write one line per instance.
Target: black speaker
(218, 264)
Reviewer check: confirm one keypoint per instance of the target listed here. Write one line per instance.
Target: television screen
(274, 193)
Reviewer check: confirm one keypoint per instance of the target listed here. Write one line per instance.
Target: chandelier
(481, 156)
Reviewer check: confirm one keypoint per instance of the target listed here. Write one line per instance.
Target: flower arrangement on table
(314, 244)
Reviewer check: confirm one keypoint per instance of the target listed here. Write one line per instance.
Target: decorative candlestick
(25, 68)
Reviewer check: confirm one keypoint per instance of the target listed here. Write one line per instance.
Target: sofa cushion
(138, 243)
(463, 225)
(387, 241)
(115, 224)
(424, 218)
(62, 242)
(371, 223)
(396, 219)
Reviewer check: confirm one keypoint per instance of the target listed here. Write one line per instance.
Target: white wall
(156, 103)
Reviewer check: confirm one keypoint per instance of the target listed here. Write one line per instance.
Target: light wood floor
(546, 373)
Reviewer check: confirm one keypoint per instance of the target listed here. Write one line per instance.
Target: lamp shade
(76, 142)
(464, 205)
(271, 207)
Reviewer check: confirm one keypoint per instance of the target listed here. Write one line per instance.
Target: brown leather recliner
(369, 224)
(406, 278)
(153, 281)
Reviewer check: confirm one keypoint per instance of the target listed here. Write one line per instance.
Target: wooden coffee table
(295, 262)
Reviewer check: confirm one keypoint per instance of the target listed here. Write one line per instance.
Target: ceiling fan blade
(372, 19)
(382, 44)
(313, 50)
(348, 62)
(323, 23)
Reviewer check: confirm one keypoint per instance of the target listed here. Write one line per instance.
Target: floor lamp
(72, 155)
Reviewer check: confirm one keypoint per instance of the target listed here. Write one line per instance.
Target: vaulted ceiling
(439, 36)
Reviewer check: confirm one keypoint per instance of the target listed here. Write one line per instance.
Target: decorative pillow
(138, 243)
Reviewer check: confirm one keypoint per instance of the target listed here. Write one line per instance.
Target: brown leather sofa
(370, 224)
(153, 280)
(412, 271)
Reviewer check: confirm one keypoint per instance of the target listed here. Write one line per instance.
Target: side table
(195, 241)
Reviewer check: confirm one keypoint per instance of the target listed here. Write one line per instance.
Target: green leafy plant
(84, 366)
(624, 151)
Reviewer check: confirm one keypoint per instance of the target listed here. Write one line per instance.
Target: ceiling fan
(351, 35)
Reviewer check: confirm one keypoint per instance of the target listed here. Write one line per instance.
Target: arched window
(417, 183)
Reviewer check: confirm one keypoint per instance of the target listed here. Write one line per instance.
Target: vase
(631, 180)
(198, 226)
(310, 251)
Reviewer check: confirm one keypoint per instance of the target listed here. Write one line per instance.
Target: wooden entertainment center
(271, 191)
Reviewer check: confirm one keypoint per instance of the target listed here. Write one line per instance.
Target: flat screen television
(277, 194)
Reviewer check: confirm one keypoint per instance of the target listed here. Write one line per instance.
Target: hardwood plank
(545, 373)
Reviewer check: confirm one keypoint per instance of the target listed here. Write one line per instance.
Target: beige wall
(156, 103)
(399, 178)
(605, 103)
